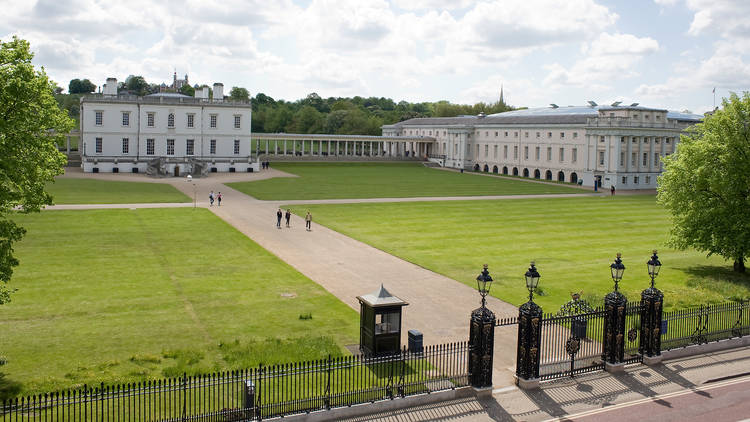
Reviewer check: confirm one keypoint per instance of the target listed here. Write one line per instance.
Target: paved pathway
(439, 307)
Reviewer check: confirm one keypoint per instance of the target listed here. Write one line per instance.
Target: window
(562, 154)
(486, 151)
(126, 118)
(170, 120)
(633, 159)
(575, 155)
(515, 152)
(486, 133)
(213, 121)
(657, 117)
(455, 149)
(515, 134)
(525, 153)
(494, 151)
(150, 147)
(526, 134)
(190, 147)
(212, 149)
(538, 153)
(645, 116)
(549, 134)
(562, 135)
(645, 140)
(622, 140)
(170, 146)
(477, 155)
(506, 134)
(236, 147)
(656, 141)
(125, 145)
(238, 120)
(98, 118)
(648, 178)
(191, 120)
(635, 116)
(549, 153)
(656, 158)
(634, 140)
(624, 180)
(635, 180)
(622, 158)
(98, 145)
(667, 141)
(538, 134)
(150, 119)
(645, 158)
(505, 151)
(601, 158)
(575, 135)
(601, 139)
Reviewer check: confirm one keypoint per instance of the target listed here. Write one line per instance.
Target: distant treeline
(314, 114)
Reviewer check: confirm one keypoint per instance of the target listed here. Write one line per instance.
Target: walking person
(218, 198)
(211, 199)
(308, 221)
(288, 215)
(612, 191)
(278, 218)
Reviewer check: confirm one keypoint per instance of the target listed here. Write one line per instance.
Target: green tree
(706, 184)
(239, 94)
(187, 90)
(78, 86)
(30, 126)
(137, 85)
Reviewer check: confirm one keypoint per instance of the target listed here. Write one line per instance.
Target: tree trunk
(739, 265)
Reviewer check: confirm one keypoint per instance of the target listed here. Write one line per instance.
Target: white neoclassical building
(613, 145)
(165, 133)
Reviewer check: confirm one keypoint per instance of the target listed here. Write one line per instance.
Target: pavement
(713, 387)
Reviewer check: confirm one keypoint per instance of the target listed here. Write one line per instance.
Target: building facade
(165, 133)
(615, 145)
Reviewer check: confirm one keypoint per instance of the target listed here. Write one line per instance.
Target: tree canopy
(706, 184)
(137, 85)
(239, 94)
(31, 123)
(78, 86)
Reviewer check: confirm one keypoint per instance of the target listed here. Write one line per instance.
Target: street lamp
(195, 190)
(484, 282)
(617, 268)
(653, 265)
(532, 280)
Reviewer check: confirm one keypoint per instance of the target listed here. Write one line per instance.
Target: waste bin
(249, 399)
(578, 327)
(415, 341)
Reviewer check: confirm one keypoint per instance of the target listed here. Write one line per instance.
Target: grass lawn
(573, 240)
(91, 191)
(384, 180)
(123, 295)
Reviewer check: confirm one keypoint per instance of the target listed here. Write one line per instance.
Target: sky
(660, 53)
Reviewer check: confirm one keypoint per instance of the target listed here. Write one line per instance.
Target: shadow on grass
(8, 388)
(721, 279)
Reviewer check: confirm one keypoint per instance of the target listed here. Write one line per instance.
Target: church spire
(501, 94)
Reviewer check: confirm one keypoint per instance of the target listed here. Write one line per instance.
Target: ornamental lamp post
(653, 265)
(484, 283)
(532, 280)
(617, 268)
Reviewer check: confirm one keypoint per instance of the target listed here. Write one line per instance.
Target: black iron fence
(705, 324)
(258, 393)
(571, 344)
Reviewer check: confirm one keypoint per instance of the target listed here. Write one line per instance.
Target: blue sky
(661, 53)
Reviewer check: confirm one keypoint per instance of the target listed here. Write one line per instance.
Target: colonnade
(339, 146)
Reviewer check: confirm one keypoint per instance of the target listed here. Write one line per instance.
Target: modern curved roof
(543, 115)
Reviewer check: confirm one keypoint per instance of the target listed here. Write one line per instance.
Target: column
(651, 323)
(371, 154)
(613, 350)
(328, 145)
(284, 146)
(346, 147)
(529, 345)
(266, 146)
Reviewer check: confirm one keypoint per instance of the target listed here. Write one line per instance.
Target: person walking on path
(288, 215)
(278, 219)
(211, 199)
(218, 198)
(612, 191)
(308, 221)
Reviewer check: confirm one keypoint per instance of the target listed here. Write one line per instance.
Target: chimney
(206, 93)
(110, 88)
(218, 92)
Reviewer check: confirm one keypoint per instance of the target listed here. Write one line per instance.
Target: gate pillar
(651, 317)
(613, 347)
(529, 342)
(482, 338)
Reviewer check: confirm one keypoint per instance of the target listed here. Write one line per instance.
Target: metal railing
(254, 394)
(704, 324)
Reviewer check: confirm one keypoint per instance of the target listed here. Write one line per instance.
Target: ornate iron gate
(571, 344)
